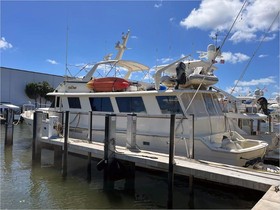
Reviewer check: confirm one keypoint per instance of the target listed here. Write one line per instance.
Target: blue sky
(33, 36)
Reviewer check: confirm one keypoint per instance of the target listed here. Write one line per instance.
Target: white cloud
(230, 57)
(158, 5)
(172, 19)
(262, 56)
(4, 44)
(52, 61)
(218, 15)
(239, 90)
(165, 60)
(134, 37)
(256, 82)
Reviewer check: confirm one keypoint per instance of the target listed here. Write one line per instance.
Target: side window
(131, 104)
(209, 104)
(74, 102)
(101, 104)
(169, 105)
(218, 106)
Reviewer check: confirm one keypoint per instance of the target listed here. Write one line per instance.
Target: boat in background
(4, 106)
(189, 93)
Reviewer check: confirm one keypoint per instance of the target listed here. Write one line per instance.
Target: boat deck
(221, 173)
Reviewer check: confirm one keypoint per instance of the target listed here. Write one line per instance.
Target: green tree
(44, 89)
(38, 90)
(31, 90)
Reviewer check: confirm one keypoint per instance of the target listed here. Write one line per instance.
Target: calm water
(24, 186)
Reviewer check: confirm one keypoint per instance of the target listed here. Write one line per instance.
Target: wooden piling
(191, 192)
(109, 147)
(65, 152)
(89, 153)
(37, 134)
(9, 127)
(130, 177)
(171, 162)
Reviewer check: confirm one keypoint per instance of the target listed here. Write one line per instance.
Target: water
(24, 186)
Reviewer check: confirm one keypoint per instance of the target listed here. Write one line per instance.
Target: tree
(35, 90)
(31, 90)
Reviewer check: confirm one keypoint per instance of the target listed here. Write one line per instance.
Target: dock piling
(37, 134)
(171, 162)
(9, 128)
(89, 153)
(109, 147)
(65, 152)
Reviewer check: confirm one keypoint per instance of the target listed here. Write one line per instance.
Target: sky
(44, 36)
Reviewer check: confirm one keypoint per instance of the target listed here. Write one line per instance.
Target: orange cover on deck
(108, 84)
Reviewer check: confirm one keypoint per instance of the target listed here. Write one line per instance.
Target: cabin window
(218, 106)
(209, 104)
(197, 105)
(130, 104)
(169, 105)
(101, 104)
(74, 102)
(186, 99)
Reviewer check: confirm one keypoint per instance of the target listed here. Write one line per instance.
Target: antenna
(122, 47)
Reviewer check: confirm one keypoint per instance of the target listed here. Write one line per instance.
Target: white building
(14, 81)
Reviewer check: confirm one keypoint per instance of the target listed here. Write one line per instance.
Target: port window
(131, 104)
(74, 102)
(101, 104)
(169, 105)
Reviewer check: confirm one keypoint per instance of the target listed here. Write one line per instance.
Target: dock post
(131, 131)
(65, 152)
(89, 153)
(109, 147)
(9, 128)
(171, 162)
(130, 177)
(37, 134)
(191, 192)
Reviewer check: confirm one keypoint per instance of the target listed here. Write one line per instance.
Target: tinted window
(101, 104)
(209, 104)
(74, 102)
(169, 104)
(130, 104)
